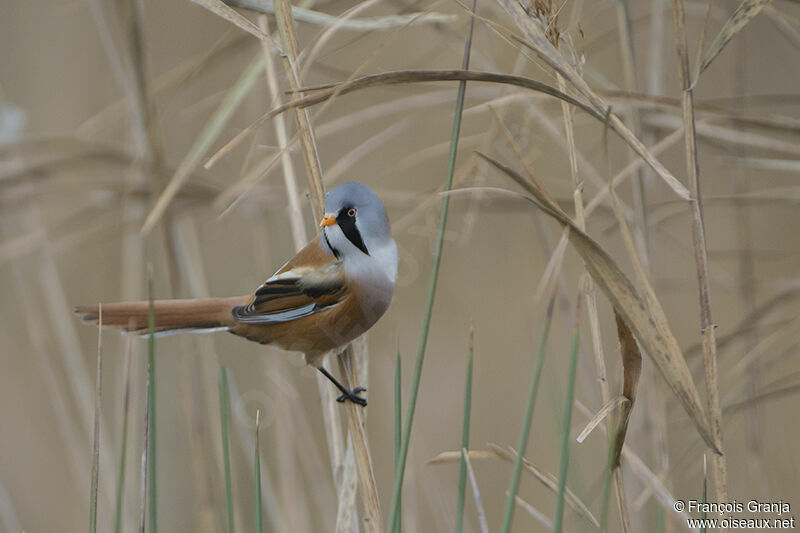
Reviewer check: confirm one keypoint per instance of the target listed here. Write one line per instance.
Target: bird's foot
(352, 395)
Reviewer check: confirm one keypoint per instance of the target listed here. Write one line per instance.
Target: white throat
(379, 267)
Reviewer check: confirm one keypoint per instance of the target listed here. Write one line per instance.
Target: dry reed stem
(357, 430)
(340, 460)
(701, 258)
(308, 142)
(233, 194)
(588, 289)
(299, 235)
(535, 513)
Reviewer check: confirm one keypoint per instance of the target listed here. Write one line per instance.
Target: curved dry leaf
(658, 342)
(743, 14)
(631, 368)
(604, 411)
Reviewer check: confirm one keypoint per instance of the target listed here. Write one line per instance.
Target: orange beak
(327, 220)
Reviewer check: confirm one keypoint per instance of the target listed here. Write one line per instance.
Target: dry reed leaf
(650, 480)
(743, 14)
(476, 495)
(604, 411)
(647, 321)
(535, 513)
(356, 424)
(394, 78)
(632, 368)
(547, 479)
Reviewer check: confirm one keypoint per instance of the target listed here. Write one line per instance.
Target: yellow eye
(351, 212)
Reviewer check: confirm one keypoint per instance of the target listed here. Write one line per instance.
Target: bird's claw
(353, 396)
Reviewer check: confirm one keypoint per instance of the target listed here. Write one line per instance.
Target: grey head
(355, 222)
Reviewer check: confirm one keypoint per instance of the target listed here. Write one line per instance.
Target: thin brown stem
(700, 255)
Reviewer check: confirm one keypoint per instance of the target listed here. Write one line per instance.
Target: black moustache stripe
(328, 242)
(348, 225)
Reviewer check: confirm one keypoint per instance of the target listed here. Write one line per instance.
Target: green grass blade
(398, 431)
(257, 478)
(97, 414)
(123, 443)
(565, 436)
(151, 414)
(508, 516)
(400, 466)
(462, 474)
(224, 407)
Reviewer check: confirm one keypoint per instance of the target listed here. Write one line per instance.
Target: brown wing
(311, 282)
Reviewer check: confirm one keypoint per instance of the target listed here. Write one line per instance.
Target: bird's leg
(351, 395)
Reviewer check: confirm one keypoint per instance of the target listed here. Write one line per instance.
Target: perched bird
(328, 294)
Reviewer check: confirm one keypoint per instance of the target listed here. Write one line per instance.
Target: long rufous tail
(170, 315)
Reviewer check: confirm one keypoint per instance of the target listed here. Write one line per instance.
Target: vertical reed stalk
(97, 415)
(462, 474)
(126, 399)
(257, 477)
(565, 435)
(224, 409)
(149, 485)
(437, 256)
(508, 516)
(701, 256)
(398, 433)
(357, 428)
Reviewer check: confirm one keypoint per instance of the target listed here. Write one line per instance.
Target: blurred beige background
(70, 145)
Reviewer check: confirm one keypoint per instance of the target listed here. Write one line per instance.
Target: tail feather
(170, 315)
